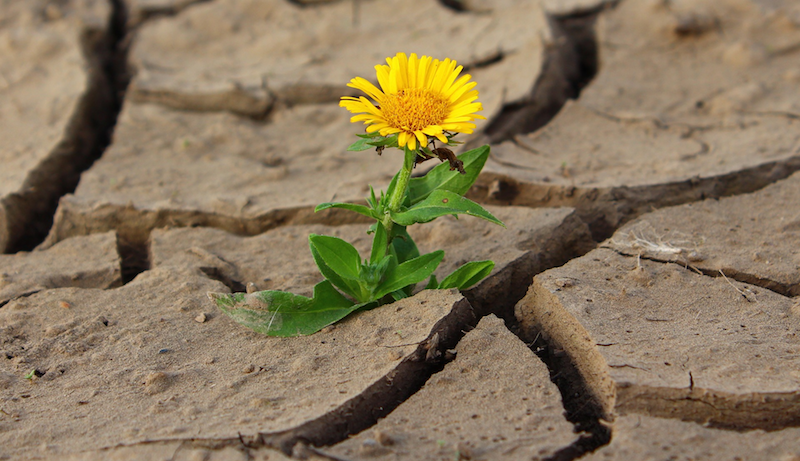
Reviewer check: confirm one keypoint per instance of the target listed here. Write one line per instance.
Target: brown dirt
(666, 134)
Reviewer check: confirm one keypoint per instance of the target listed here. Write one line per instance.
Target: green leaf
(379, 242)
(442, 203)
(389, 191)
(373, 202)
(398, 295)
(409, 273)
(385, 141)
(338, 254)
(348, 283)
(403, 245)
(432, 283)
(361, 209)
(441, 178)
(361, 144)
(373, 274)
(277, 313)
(467, 275)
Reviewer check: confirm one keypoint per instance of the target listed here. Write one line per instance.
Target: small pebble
(383, 438)
(201, 318)
(156, 382)
(163, 351)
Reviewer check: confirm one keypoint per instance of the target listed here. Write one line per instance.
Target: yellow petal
(361, 118)
(422, 72)
(442, 72)
(423, 140)
(379, 125)
(464, 110)
(459, 127)
(448, 84)
(432, 130)
(353, 106)
(367, 87)
(466, 98)
(394, 84)
(369, 107)
(388, 131)
(412, 141)
(383, 77)
(466, 89)
(396, 72)
(412, 71)
(460, 87)
(463, 118)
(432, 72)
(402, 139)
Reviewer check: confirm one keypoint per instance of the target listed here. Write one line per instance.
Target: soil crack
(141, 13)
(783, 289)
(582, 408)
(570, 64)
(89, 133)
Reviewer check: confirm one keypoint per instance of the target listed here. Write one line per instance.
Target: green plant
(420, 98)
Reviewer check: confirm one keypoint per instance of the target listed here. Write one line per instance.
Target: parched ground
(645, 302)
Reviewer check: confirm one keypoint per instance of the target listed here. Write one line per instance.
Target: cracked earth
(645, 300)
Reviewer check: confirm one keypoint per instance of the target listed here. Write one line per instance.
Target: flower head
(418, 97)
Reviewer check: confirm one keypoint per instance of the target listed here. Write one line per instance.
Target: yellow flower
(419, 97)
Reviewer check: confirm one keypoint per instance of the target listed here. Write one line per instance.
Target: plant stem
(399, 193)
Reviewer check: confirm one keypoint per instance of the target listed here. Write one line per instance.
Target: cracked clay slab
(280, 259)
(86, 262)
(168, 167)
(177, 450)
(661, 339)
(754, 238)
(242, 55)
(694, 99)
(138, 363)
(47, 90)
(142, 10)
(552, 7)
(494, 401)
(645, 437)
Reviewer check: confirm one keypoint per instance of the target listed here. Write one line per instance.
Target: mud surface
(644, 302)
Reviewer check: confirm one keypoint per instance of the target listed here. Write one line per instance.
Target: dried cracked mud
(645, 301)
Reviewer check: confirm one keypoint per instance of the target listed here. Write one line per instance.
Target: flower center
(414, 109)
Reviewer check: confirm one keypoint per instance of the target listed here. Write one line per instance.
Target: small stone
(371, 447)
(383, 438)
(156, 382)
(464, 451)
(249, 368)
(564, 283)
(201, 318)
